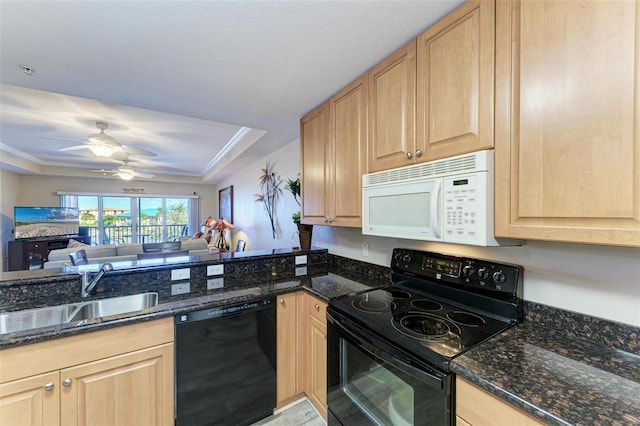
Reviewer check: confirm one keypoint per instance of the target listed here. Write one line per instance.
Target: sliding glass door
(124, 219)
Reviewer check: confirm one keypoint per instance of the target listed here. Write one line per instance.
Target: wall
(249, 217)
(601, 281)
(26, 190)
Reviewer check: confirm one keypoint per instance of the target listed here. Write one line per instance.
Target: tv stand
(32, 253)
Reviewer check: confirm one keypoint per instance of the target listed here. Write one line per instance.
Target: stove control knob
(483, 274)
(499, 277)
(468, 271)
(397, 258)
(406, 258)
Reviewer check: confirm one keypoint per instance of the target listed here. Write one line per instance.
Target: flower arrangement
(270, 191)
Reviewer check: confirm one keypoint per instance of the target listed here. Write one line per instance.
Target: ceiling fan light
(125, 175)
(101, 150)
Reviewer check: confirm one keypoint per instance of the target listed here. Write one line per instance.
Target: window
(111, 219)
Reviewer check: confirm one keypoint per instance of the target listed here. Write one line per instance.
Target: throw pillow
(75, 243)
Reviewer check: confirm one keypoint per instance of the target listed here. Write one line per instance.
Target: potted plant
(304, 231)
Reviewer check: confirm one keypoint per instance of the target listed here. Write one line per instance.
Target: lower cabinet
(123, 375)
(476, 407)
(312, 350)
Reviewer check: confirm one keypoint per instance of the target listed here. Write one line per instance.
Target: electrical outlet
(215, 270)
(180, 274)
(301, 271)
(365, 249)
(301, 260)
(214, 283)
(181, 288)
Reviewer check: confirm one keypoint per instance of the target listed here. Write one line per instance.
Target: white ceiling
(183, 79)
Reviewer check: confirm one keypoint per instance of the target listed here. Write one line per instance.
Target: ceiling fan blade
(74, 148)
(131, 150)
(143, 175)
(65, 139)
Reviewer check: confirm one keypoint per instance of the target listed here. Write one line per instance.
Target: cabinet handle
(66, 382)
(330, 220)
(282, 301)
(317, 307)
(409, 155)
(48, 387)
(418, 153)
(326, 220)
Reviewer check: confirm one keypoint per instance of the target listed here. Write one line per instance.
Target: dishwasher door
(226, 364)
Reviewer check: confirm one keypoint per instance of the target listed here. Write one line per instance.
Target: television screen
(38, 222)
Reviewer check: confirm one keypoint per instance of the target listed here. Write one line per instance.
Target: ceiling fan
(104, 145)
(125, 172)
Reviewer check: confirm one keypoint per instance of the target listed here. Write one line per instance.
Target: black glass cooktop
(431, 329)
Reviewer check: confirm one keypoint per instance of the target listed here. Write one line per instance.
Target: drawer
(317, 308)
(34, 245)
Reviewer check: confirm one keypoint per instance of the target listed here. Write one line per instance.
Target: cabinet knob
(66, 382)
(418, 153)
(326, 220)
(330, 220)
(48, 387)
(317, 306)
(409, 155)
(282, 301)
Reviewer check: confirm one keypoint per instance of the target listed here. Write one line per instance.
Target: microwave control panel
(465, 208)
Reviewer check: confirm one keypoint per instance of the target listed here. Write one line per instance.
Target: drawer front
(34, 246)
(317, 308)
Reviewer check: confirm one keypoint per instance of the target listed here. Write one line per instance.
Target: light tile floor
(300, 414)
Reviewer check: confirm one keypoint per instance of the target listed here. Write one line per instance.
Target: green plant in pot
(304, 231)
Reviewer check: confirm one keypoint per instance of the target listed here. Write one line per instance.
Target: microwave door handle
(436, 205)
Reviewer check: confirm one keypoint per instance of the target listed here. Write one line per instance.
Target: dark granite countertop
(557, 377)
(325, 286)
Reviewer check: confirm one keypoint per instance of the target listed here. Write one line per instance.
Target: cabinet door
(347, 159)
(287, 347)
(314, 140)
(392, 94)
(476, 407)
(567, 114)
(455, 75)
(134, 388)
(31, 401)
(318, 369)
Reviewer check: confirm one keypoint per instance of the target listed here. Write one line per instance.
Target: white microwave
(448, 200)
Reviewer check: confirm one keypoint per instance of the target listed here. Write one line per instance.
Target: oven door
(371, 383)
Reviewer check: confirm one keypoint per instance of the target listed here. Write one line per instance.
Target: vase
(304, 233)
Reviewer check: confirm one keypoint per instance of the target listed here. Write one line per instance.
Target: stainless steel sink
(115, 306)
(35, 318)
(11, 322)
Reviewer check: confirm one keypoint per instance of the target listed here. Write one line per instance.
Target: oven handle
(388, 354)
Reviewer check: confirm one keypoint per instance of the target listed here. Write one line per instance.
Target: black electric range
(437, 306)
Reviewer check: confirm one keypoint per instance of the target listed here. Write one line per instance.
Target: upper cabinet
(455, 83)
(567, 111)
(392, 94)
(333, 141)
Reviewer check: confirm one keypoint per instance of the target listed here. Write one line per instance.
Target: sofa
(115, 252)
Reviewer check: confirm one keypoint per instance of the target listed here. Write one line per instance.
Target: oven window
(379, 393)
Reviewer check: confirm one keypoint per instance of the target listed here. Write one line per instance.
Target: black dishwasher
(226, 364)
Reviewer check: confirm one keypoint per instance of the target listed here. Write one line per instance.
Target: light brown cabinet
(287, 348)
(455, 83)
(476, 407)
(567, 146)
(333, 142)
(392, 110)
(119, 376)
(312, 366)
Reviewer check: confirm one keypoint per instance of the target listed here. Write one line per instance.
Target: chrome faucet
(88, 286)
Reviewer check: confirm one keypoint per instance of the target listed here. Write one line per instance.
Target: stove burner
(398, 294)
(426, 305)
(465, 318)
(372, 305)
(424, 326)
